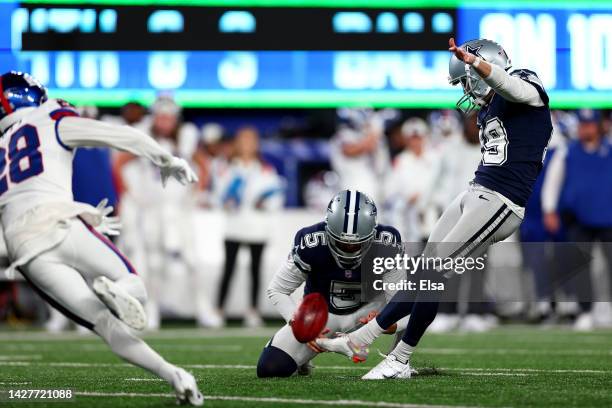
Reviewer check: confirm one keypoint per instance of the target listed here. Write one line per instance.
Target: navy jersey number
(344, 295)
(24, 158)
(494, 141)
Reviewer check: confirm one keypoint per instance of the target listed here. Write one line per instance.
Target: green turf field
(509, 367)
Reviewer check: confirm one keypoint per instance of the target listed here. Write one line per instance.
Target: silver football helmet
(475, 89)
(350, 224)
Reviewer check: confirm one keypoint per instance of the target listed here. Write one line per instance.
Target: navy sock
(398, 307)
(423, 313)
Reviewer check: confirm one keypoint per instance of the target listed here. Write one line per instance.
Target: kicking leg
(355, 344)
(485, 220)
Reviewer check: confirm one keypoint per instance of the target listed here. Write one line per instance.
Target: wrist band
(476, 62)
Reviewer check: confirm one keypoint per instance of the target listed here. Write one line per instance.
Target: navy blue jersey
(340, 286)
(513, 139)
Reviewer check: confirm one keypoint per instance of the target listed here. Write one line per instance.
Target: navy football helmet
(19, 90)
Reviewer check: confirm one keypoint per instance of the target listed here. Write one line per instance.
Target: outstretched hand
(178, 169)
(109, 225)
(460, 53)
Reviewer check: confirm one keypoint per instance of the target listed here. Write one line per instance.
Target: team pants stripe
(57, 305)
(484, 232)
(112, 246)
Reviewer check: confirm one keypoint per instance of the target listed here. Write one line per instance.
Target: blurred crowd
(412, 163)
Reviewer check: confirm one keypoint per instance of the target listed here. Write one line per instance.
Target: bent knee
(135, 286)
(274, 362)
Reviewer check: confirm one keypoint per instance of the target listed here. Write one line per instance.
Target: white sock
(366, 334)
(131, 348)
(402, 352)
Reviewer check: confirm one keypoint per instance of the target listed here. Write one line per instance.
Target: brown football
(310, 318)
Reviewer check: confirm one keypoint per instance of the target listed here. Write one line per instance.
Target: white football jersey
(35, 166)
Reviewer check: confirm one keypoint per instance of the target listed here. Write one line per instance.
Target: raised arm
(509, 87)
(512, 88)
(75, 132)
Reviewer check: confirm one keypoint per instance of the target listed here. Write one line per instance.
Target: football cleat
(343, 345)
(306, 368)
(389, 368)
(186, 388)
(125, 306)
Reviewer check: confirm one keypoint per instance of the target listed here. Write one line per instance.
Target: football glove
(178, 169)
(108, 225)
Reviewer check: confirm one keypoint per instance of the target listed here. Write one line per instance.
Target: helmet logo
(474, 50)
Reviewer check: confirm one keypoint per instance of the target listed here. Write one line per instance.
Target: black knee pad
(274, 362)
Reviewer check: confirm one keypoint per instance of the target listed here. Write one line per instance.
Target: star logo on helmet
(474, 50)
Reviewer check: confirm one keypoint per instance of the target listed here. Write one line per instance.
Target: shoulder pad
(387, 235)
(59, 108)
(304, 243)
(527, 75)
(532, 78)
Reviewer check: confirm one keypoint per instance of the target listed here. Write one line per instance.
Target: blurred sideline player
(158, 233)
(358, 149)
(251, 191)
(515, 127)
(56, 243)
(327, 257)
(409, 198)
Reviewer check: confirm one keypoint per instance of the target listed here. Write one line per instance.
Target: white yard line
(272, 400)
(537, 352)
(531, 370)
(589, 337)
(341, 368)
(483, 374)
(235, 348)
(100, 347)
(171, 334)
(229, 348)
(17, 357)
(15, 383)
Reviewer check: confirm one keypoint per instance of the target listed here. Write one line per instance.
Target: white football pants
(63, 276)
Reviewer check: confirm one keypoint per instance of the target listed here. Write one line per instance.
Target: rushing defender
(328, 257)
(515, 127)
(57, 243)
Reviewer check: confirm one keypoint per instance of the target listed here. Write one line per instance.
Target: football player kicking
(57, 243)
(515, 127)
(328, 257)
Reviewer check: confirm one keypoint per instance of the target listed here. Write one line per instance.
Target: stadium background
(240, 71)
